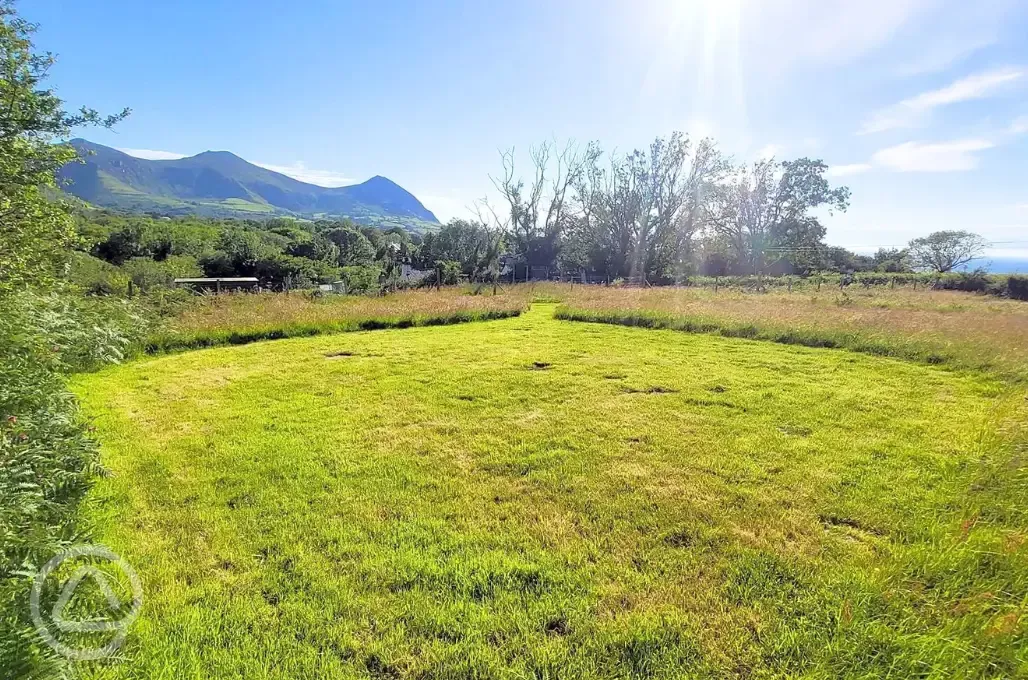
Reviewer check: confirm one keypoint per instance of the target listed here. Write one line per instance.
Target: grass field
(941, 327)
(239, 319)
(534, 498)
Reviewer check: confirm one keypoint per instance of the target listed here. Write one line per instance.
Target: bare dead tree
(541, 211)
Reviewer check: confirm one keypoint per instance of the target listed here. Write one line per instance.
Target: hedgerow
(48, 459)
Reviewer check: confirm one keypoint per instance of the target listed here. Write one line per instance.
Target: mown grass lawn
(532, 498)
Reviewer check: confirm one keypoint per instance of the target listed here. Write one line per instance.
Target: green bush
(360, 279)
(149, 274)
(96, 277)
(47, 459)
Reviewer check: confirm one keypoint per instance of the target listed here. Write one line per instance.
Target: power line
(885, 245)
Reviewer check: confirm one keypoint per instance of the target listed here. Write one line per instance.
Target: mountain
(219, 183)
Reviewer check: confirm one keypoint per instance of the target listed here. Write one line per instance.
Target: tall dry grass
(241, 318)
(944, 327)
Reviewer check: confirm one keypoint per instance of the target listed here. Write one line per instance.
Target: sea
(1001, 265)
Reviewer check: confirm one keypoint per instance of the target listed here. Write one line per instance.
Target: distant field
(241, 205)
(241, 318)
(533, 498)
(944, 327)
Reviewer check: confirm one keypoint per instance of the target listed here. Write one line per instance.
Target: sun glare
(699, 49)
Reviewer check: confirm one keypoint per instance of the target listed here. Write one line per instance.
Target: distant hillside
(219, 183)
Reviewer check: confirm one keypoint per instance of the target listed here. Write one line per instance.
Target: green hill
(219, 183)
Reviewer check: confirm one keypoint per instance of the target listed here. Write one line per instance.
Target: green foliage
(361, 280)
(94, 276)
(34, 230)
(892, 260)
(944, 251)
(293, 272)
(47, 460)
(447, 272)
(279, 252)
(976, 281)
(472, 246)
(116, 238)
(354, 247)
(147, 274)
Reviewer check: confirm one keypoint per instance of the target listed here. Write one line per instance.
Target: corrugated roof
(227, 279)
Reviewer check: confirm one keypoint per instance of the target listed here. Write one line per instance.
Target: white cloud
(824, 31)
(932, 157)
(153, 154)
(943, 53)
(1019, 126)
(298, 170)
(910, 112)
(846, 170)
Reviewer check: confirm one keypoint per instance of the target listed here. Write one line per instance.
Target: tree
(892, 260)
(537, 215)
(123, 244)
(640, 218)
(355, 249)
(944, 251)
(681, 201)
(244, 249)
(472, 244)
(625, 201)
(763, 215)
(34, 229)
(314, 247)
(839, 259)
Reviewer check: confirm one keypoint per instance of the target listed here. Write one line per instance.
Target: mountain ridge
(220, 183)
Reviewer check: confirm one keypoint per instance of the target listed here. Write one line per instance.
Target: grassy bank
(243, 318)
(937, 327)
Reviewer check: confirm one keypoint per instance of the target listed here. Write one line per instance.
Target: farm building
(219, 285)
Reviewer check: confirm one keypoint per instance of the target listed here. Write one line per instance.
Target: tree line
(680, 209)
(150, 251)
(115, 251)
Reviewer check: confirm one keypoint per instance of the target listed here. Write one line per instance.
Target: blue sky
(920, 106)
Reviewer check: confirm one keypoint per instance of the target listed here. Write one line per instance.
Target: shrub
(47, 459)
(1017, 287)
(149, 274)
(977, 281)
(361, 279)
(96, 277)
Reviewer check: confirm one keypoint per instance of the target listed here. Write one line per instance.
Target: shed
(220, 284)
